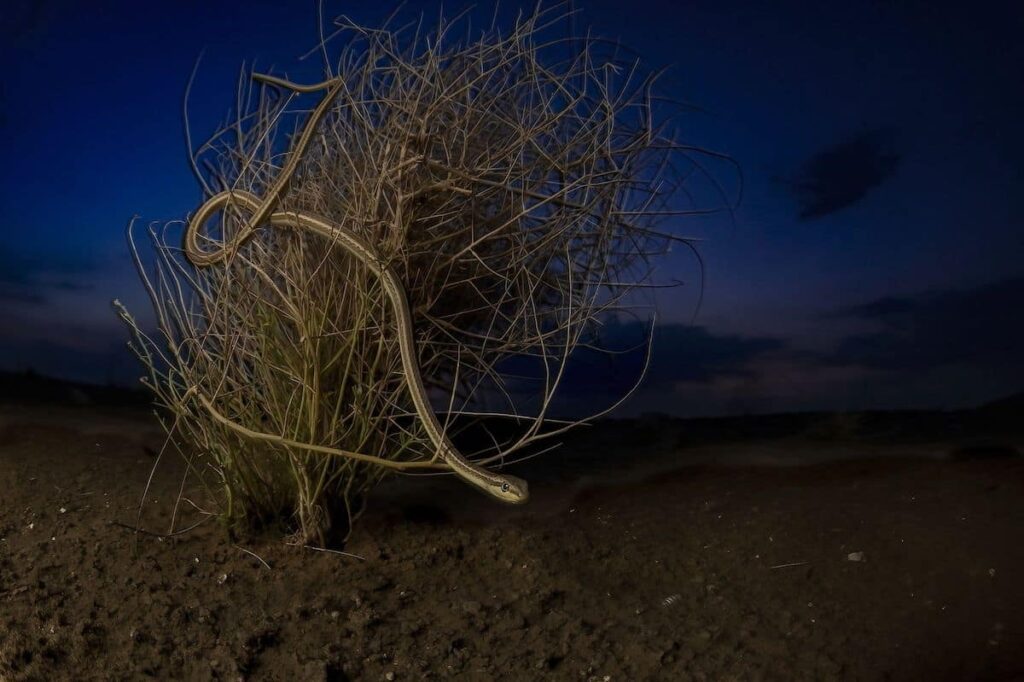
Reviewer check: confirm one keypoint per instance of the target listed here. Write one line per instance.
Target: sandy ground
(644, 569)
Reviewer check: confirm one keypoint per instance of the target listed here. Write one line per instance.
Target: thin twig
(795, 563)
(334, 551)
(255, 555)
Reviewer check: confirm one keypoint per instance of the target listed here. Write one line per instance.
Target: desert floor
(652, 550)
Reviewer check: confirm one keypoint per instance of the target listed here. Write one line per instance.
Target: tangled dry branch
(514, 185)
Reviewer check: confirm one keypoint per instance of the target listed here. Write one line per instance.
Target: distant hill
(996, 419)
(1010, 405)
(29, 388)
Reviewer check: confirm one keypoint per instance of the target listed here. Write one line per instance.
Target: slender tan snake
(505, 488)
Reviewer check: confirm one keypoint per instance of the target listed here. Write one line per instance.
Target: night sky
(874, 262)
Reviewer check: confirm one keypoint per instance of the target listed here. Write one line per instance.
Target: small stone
(389, 676)
(671, 600)
(855, 556)
(63, 510)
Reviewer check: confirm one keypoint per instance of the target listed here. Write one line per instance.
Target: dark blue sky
(874, 262)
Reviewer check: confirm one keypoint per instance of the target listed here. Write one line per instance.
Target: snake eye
(504, 487)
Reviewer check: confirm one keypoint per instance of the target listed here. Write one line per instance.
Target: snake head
(509, 489)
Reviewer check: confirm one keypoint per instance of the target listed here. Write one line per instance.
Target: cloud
(844, 173)
(20, 295)
(981, 327)
(681, 354)
(68, 285)
(684, 353)
(26, 278)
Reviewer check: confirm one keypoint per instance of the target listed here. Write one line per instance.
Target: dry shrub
(514, 184)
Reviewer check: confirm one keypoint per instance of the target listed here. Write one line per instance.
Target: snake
(505, 488)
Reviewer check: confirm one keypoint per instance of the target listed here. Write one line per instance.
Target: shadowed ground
(651, 567)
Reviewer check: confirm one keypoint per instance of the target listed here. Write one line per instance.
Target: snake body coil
(505, 488)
